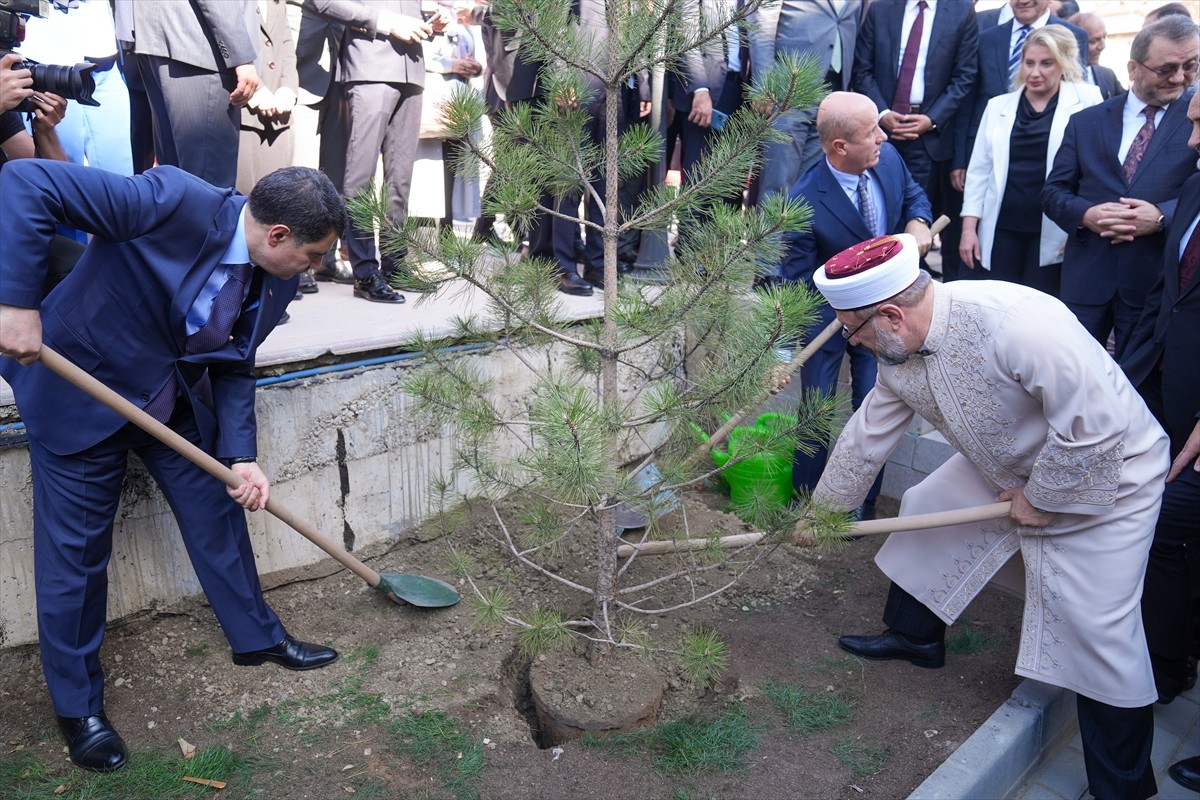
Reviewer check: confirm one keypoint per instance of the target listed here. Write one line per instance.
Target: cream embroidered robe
(1027, 398)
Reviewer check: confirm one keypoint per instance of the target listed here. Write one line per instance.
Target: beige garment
(1028, 398)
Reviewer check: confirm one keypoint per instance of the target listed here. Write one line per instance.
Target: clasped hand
(1023, 512)
(1124, 220)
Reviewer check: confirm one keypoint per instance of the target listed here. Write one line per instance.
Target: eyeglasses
(848, 334)
(1169, 70)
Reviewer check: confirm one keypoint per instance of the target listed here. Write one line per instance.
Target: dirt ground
(336, 732)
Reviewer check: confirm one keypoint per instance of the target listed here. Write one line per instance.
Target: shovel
(416, 590)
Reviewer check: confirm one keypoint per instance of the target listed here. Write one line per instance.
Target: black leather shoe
(93, 743)
(333, 273)
(376, 290)
(890, 644)
(595, 277)
(1186, 773)
(308, 283)
(290, 654)
(571, 283)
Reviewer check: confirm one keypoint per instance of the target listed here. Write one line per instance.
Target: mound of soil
(332, 733)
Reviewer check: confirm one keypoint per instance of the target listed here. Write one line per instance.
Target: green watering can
(765, 468)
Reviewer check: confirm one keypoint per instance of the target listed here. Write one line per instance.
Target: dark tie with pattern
(1140, 142)
(1014, 58)
(902, 99)
(226, 308)
(1189, 260)
(866, 206)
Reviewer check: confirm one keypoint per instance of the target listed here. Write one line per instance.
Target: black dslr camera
(74, 83)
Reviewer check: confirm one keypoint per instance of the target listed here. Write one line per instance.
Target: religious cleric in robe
(1042, 416)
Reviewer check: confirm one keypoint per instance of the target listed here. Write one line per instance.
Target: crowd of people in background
(1054, 175)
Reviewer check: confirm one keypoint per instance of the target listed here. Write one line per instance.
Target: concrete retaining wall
(344, 452)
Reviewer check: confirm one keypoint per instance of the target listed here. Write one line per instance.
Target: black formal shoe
(376, 290)
(890, 644)
(308, 283)
(1186, 773)
(333, 273)
(289, 654)
(595, 277)
(93, 742)
(571, 283)
(285, 319)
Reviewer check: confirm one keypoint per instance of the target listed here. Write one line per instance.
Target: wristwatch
(1160, 222)
(928, 223)
(242, 460)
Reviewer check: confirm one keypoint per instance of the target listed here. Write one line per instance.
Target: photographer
(16, 86)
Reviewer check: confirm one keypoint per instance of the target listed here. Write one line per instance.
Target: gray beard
(889, 348)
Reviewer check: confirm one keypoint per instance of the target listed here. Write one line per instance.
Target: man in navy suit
(1163, 362)
(180, 284)
(856, 154)
(920, 124)
(1114, 206)
(1101, 77)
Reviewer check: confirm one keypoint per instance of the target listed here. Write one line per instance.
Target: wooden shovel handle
(937, 519)
(98, 391)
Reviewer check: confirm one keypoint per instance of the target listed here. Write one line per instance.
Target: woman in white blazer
(1004, 230)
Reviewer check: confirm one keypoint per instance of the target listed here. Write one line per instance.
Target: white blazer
(987, 173)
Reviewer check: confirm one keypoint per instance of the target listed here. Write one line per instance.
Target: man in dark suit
(1101, 77)
(1163, 362)
(382, 71)
(1116, 179)
(918, 91)
(824, 30)
(180, 284)
(857, 160)
(196, 63)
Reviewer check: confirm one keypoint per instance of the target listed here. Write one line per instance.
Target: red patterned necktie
(1189, 260)
(1140, 142)
(902, 99)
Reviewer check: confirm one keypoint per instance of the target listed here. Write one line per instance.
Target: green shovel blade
(418, 590)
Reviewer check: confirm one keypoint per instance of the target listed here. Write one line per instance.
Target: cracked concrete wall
(344, 452)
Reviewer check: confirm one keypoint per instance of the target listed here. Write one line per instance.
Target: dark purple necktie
(902, 99)
(1189, 260)
(1140, 142)
(226, 308)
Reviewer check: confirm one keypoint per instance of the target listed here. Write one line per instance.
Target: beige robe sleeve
(863, 448)
(1078, 470)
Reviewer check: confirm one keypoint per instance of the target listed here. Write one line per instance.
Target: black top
(10, 125)
(1021, 206)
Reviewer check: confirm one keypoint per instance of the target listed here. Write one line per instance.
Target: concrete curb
(1006, 748)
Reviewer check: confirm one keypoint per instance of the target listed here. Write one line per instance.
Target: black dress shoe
(93, 743)
(571, 283)
(890, 644)
(595, 277)
(308, 283)
(376, 290)
(1186, 773)
(289, 654)
(333, 273)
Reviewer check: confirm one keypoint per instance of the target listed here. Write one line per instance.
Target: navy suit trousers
(75, 501)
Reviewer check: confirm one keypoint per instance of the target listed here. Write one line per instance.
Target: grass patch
(968, 639)
(147, 776)
(860, 758)
(688, 744)
(807, 712)
(433, 738)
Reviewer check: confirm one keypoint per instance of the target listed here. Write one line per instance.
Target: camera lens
(74, 83)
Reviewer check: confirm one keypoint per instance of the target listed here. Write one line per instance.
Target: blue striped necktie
(866, 206)
(1014, 58)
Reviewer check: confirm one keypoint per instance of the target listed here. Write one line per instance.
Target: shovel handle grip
(69, 372)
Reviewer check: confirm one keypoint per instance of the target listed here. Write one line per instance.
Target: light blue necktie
(866, 206)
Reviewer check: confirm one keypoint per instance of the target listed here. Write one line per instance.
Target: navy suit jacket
(120, 314)
(1106, 79)
(1166, 332)
(992, 80)
(836, 223)
(950, 64)
(1087, 172)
